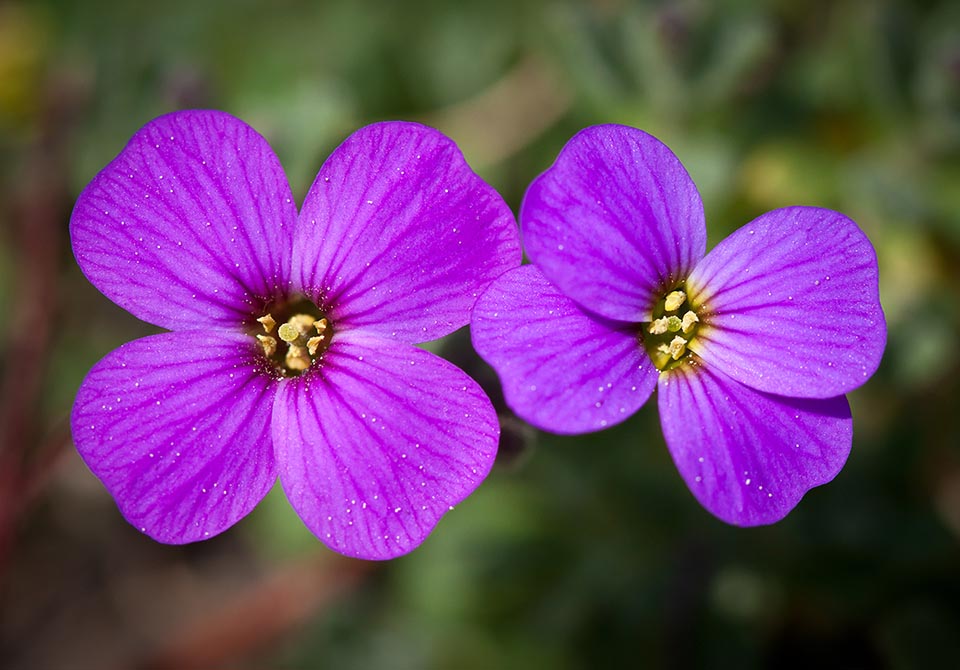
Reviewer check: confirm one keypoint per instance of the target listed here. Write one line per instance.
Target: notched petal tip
(400, 235)
(613, 221)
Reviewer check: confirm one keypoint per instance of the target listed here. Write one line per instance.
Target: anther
(690, 319)
(677, 347)
(268, 322)
(268, 343)
(294, 341)
(313, 344)
(659, 327)
(674, 300)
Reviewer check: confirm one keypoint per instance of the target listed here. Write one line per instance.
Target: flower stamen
(678, 346)
(268, 343)
(297, 358)
(669, 333)
(288, 333)
(659, 326)
(690, 320)
(673, 301)
(298, 347)
(268, 322)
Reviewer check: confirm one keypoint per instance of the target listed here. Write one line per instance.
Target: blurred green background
(577, 552)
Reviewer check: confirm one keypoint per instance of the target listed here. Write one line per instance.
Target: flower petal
(614, 221)
(192, 222)
(176, 426)
(562, 370)
(748, 456)
(792, 304)
(397, 235)
(379, 443)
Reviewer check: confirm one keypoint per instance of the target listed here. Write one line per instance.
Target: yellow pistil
(674, 300)
(288, 333)
(295, 328)
(300, 349)
(665, 324)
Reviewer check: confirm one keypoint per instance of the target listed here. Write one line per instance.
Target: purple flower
(751, 346)
(291, 346)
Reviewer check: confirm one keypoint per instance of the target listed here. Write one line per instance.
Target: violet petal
(792, 304)
(189, 224)
(398, 235)
(177, 427)
(749, 456)
(380, 442)
(562, 370)
(615, 221)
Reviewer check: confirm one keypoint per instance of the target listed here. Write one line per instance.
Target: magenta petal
(177, 427)
(614, 221)
(562, 370)
(792, 304)
(748, 456)
(398, 235)
(190, 224)
(379, 443)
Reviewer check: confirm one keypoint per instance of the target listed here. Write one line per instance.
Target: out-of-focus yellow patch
(24, 36)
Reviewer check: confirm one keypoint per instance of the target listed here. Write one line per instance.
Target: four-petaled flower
(751, 346)
(291, 345)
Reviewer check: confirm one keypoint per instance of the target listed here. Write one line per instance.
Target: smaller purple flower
(751, 346)
(291, 346)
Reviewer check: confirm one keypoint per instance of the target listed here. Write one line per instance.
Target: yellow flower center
(303, 337)
(674, 326)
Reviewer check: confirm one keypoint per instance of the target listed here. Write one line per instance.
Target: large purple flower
(291, 345)
(751, 346)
